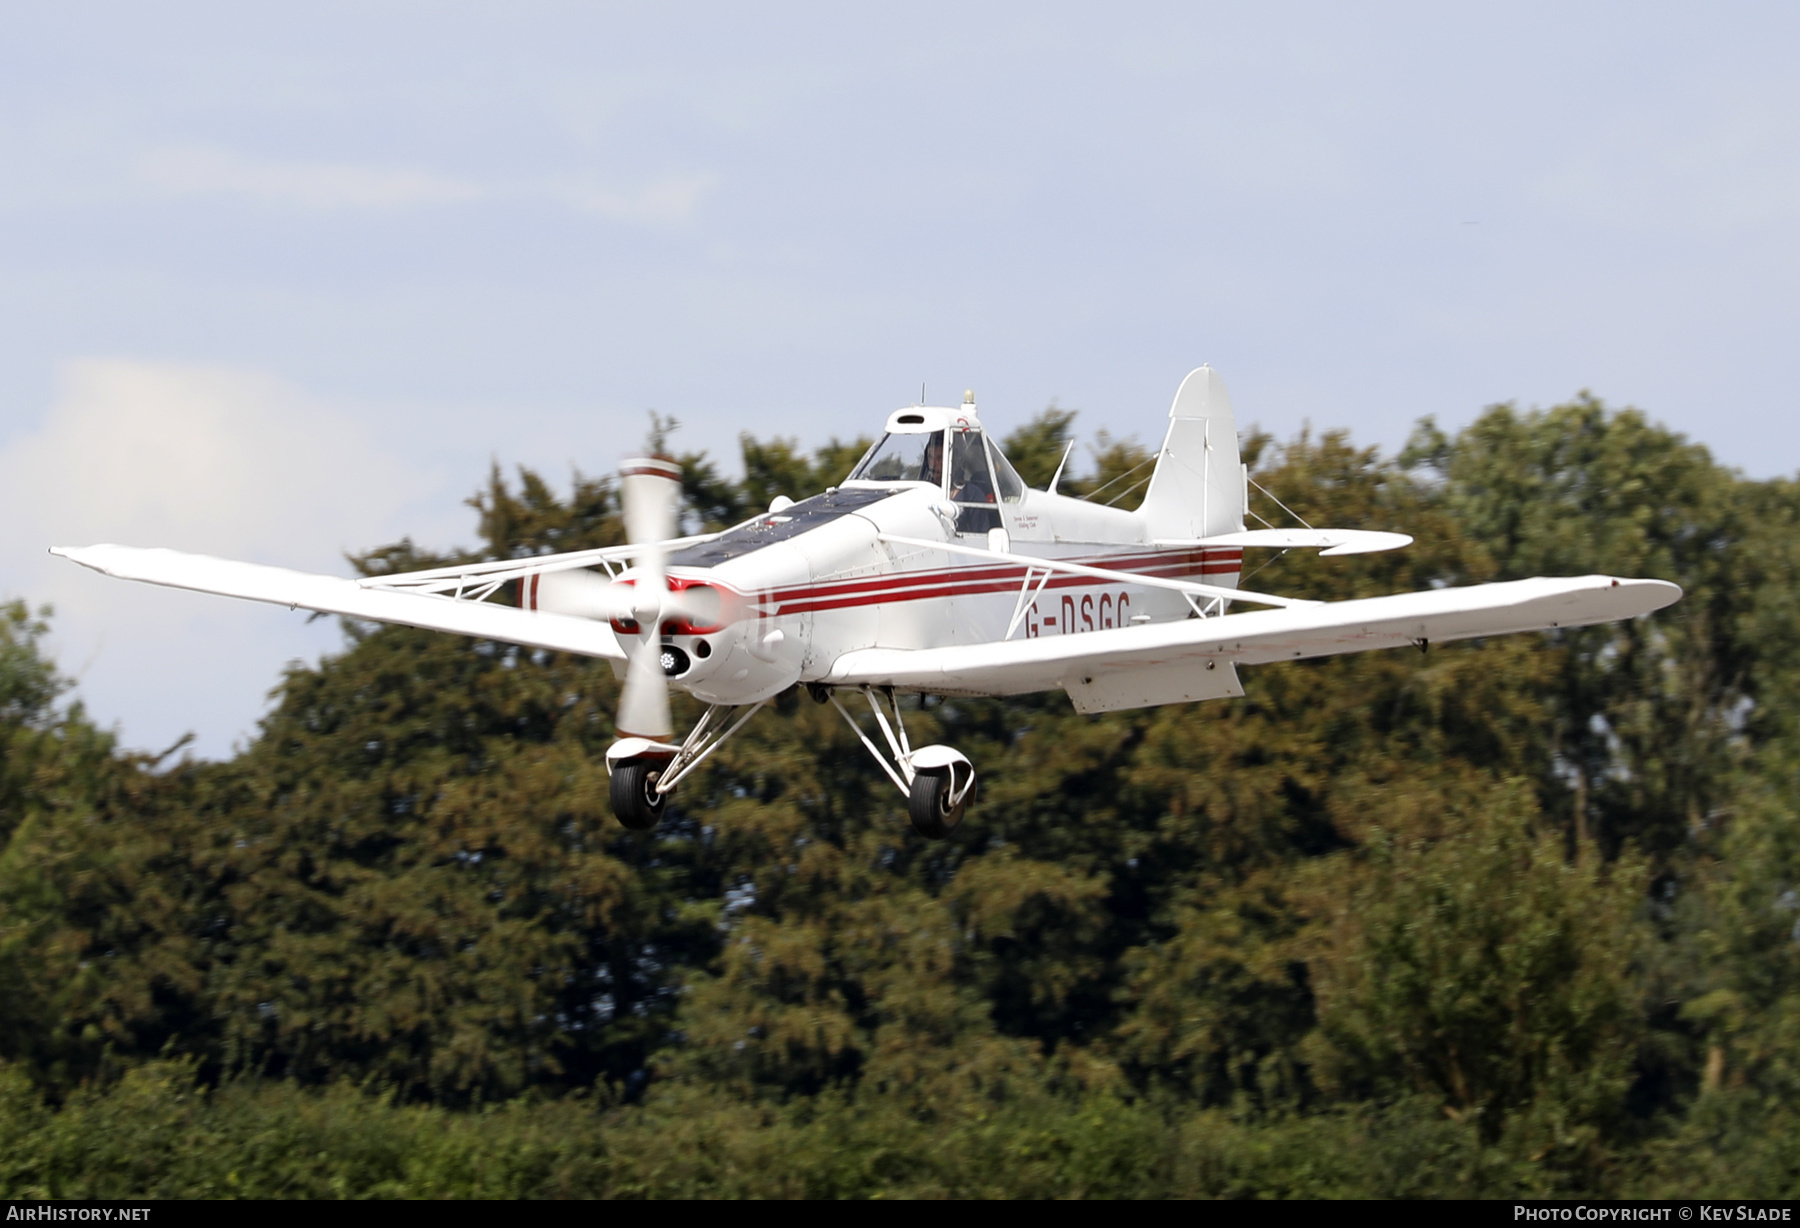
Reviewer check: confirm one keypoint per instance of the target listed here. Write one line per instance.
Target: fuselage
(806, 582)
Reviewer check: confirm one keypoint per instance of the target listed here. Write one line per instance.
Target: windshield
(903, 458)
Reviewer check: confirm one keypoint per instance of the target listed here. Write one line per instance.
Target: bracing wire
(1273, 558)
(1242, 580)
(1129, 489)
(1121, 478)
(1278, 503)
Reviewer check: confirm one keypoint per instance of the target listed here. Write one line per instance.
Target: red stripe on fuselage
(1161, 563)
(993, 578)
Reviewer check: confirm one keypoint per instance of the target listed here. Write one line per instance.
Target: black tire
(635, 801)
(929, 804)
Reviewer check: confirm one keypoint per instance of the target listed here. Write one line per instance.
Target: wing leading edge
(1130, 667)
(331, 595)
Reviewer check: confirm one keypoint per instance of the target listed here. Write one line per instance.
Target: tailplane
(1198, 487)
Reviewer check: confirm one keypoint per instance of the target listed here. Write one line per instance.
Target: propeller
(650, 490)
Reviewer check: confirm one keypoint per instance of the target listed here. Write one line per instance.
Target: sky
(281, 282)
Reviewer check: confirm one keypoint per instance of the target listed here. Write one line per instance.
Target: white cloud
(664, 200)
(213, 460)
(202, 170)
(189, 170)
(202, 458)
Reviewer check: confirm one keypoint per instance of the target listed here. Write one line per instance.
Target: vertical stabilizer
(1197, 488)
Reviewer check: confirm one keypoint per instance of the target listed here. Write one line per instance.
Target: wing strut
(462, 579)
(1027, 598)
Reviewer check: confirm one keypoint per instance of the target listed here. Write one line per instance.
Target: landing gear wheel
(635, 801)
(929, 804)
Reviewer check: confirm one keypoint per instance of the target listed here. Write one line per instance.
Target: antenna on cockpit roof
(921, 392)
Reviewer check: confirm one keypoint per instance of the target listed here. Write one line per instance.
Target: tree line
(1510, 917)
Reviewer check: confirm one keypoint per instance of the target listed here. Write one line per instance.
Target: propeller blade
(644, 702)
(701, 606)
(650, 494)
(650, 491)
(586, 594)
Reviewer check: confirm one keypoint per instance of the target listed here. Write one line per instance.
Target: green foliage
(1487, 973)
(1650, 717)
(1038, 447)
(778, 467)
(1518, 917)
(1122, 469)
(411, 877)
(156, 1134)
(531, 521)
(28, 683)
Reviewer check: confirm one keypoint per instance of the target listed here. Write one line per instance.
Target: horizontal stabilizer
(331, 595)
(1082, 662)
(1328, 541)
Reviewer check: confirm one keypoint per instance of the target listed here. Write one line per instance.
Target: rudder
(1197, 488)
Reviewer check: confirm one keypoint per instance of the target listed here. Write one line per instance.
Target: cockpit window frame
(1004, 475)
(857, 474)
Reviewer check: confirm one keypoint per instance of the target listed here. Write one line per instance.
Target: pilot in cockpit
(931, 469)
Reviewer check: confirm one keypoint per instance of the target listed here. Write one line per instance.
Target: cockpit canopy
(914, 448)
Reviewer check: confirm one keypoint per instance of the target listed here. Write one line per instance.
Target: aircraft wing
(1157, 663)
(331, 595)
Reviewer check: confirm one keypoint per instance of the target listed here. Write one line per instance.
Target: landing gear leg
(644, 772)
(937, 781)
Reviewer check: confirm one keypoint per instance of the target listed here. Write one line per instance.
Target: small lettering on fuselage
(1078, 612)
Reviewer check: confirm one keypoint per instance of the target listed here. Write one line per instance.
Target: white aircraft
(931, 569)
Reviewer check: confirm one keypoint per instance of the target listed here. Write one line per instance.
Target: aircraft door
(971, 484)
